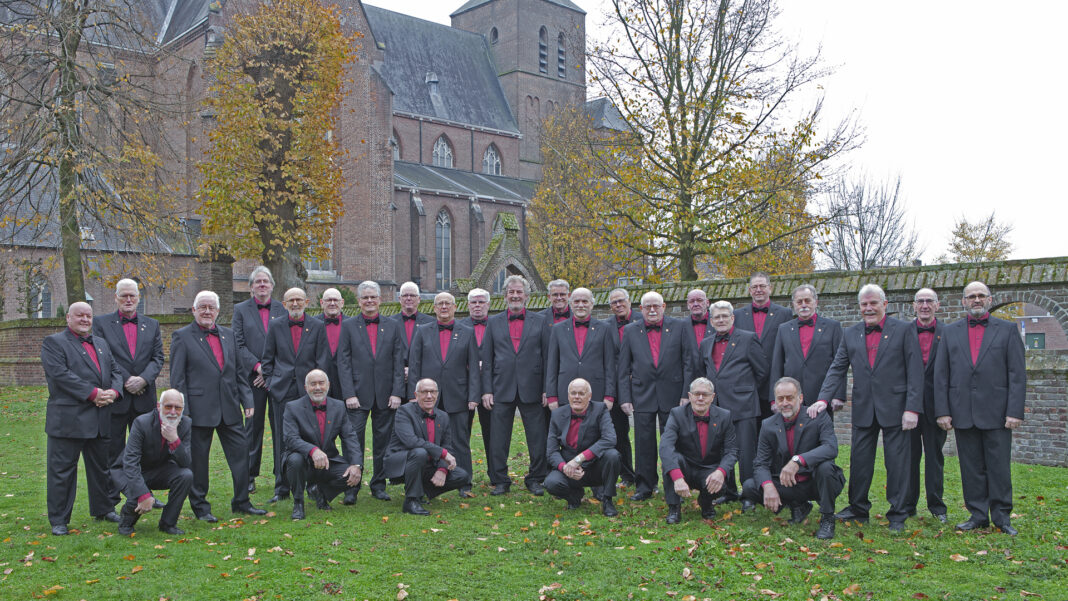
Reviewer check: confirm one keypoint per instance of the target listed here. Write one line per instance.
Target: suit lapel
(780, 434)
(206, 348)
(85, 354)
(992, 332)
(118, 333)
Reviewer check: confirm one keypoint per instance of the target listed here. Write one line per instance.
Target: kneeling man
(698, 449)
(581, 447)
(419, 450)
(311, 426)
(156, 457)
(795, 461)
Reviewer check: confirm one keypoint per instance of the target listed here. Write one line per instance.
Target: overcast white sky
(965, 99)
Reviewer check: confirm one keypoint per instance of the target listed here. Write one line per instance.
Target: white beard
(169, 421)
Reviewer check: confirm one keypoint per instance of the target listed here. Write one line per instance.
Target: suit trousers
(301, 471)
(460, 432)
(419, 468)
(926, 442)
(62, 479)
(896, 451)
(621, 424)
(485, 424)
(536, 428)
(646, 450)
(601, 472)
(235, 447)
(746, 430)
(173, 478)
(381, 431)
(120, 426)
(695, 476)
(985, 476)
(266, 408)
(823, 485)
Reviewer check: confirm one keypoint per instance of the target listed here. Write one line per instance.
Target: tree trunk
(67, 117)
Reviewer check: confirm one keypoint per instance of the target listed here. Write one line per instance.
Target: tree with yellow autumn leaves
(272, 182)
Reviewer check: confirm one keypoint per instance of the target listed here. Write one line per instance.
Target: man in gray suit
(250, 322)
(581, 447)
(83, 383)
(763, 318)
(657, 360)
(980, 386)
(594, 361)
(478, 303)
(137, 346)
(514, 352)
(735, 364)
(295, 346)
(804, 350)
(446, 352)
(207, 369)
(928, 438)
(156, 457)
(887, 397)
(370, 365)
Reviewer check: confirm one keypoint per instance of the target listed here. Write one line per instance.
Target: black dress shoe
(826, 530)
(413, 507)
(207, 517)
(298, 510)
(674, 515)
(941, 517)
(350, 497)
(249, 510)
(708, 513)
(725, 498)
(574, 502)
(798, 513)
(128, 520)
(897, 525)
(847, 515)
(465, 493)
(626, 483)
(641, 495)
(536, 488)
(60, 530)
(1007, 529)
(501, 489)
(381, 495)
(171, 530)
(972, 524)
(320, 500)
(748, 506)
(608, 508)
(110, 516)
(277, 497)
(156, 504)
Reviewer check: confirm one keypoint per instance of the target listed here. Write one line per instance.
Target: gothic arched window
(491, 161)
(443, 251)
(442, 156)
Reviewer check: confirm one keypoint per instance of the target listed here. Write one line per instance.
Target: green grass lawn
(515, 547)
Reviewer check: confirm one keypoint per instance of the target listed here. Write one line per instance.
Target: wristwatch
(797, 459)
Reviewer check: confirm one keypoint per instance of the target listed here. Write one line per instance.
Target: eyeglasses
(925, 301)
(977, 296)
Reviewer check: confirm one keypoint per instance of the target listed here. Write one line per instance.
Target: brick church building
(442, 128)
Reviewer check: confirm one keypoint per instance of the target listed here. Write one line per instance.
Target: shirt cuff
(443, 470)
(257, 366)
(552, 399)
(444, 452)
(802, 460)
(312, 451)
(609, 399)
(765, 483)
(913, 412)
(722, 471)
(142, 498)
(92, 395)
(675, 475)
(560, 466)
(588, 454)
(174, 445)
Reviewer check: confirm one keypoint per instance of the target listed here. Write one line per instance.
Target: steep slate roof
(469, 91)
(476, 3)
(461, 183)
(605, 115)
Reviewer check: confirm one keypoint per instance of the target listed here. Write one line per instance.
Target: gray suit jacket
(508, 374)
(146, 450)
(777, 315)
(372, 378)
(739, 375)
(301, 431)
(680, 443)
(72, 376)
(655, 388)
(249, 331)
(597, 364)
(146, 362)
(410, 432)
(595, 434)
(981, 395)
(285, 370)
(883, 392)
(459, 380)
(810, 370)
(814, 441)
(213, 396)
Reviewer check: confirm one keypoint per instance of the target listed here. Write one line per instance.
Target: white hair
(258, 270)
(870, 289)
(369, 285)
(478, 293)
(653, 296)
(517, 278)
(720, 305)
(126, 283)
(558, 284)
(206, 294)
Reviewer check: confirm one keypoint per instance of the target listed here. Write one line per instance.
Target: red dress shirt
(926, 341)
(975, 338)
(515, 329)
(654, 342)
(758, 318)
(130, 329)
(872, 342)
(805, 332)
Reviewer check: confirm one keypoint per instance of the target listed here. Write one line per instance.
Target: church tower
(539, 50)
